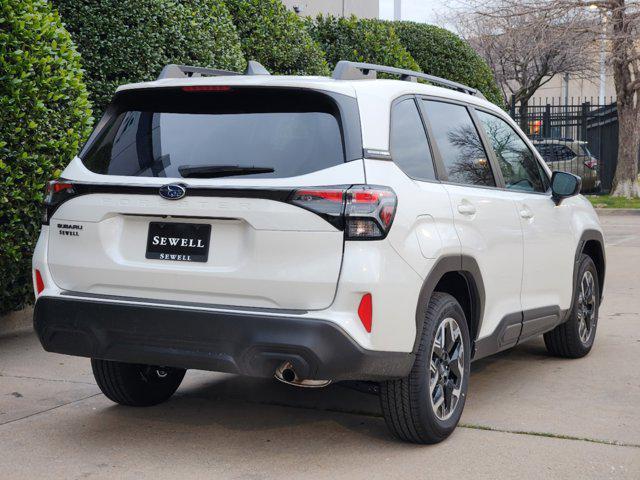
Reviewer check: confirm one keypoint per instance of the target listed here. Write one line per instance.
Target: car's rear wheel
(575, 337)
(425, 406)
(136, 385)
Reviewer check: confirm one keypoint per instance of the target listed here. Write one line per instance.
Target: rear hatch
(185, 195)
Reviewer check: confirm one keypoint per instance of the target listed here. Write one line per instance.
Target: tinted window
(565, 153)
(561, 152)
(459, 144)
(552, 152)
(291, 133)
(409, 146)
(544, 151)
(520, 169)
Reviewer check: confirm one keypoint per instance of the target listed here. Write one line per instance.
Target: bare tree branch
(527, 41)
(526, 48)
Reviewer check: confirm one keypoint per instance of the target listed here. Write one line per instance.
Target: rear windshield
(169, 132)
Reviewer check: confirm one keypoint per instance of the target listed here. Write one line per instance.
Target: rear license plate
(178, 242)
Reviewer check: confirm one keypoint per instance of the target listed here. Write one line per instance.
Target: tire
(407, 404)
(136, 385)
(569, 340)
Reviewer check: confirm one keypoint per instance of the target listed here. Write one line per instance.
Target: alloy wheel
(586, 308)
(446, 369)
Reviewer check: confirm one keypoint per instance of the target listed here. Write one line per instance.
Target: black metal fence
(579, 136)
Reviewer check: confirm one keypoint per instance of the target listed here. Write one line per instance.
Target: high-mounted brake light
(206, 88)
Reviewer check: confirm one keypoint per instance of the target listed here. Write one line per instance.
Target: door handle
(466, 209)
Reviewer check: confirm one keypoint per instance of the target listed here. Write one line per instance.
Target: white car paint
(275, 255)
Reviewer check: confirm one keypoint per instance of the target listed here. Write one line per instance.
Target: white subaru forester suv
(315, 229)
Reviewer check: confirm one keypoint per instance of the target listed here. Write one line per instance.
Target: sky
(426, 11)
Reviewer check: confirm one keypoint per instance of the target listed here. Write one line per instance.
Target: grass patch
(607, 201)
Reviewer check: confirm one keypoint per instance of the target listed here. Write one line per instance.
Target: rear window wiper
(213, 171)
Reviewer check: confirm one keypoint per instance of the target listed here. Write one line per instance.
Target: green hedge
(360, 40)
(442, 53)
(123, 41)
(276, 37)
(45, 117)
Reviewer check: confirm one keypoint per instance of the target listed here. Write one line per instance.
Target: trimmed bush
(442, 53)
(45, 117)
(123, 41)
(360, 40)
(276, 37)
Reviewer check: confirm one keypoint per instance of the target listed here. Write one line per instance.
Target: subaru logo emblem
(172, 191)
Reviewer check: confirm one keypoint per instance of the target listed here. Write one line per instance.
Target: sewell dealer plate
(179, 242)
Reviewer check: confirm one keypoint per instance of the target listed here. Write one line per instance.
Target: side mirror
(564, 185)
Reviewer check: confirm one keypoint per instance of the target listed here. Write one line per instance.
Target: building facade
(338, 8)
(563, 90)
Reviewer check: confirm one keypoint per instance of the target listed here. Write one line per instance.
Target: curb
(17, 322)
(617, 211)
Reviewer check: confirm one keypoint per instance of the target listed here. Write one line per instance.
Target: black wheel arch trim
(601, 264)
(468, 268)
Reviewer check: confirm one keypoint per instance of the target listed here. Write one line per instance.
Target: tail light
(592, 163)
(326, 202)
(365, 212)
(369, 212)
(56, 192)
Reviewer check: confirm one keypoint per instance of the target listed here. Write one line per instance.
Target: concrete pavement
(528, 415)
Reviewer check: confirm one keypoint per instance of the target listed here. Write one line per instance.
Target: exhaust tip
(287, 374)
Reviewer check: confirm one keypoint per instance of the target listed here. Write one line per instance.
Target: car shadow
(259, 410)
(213, 402)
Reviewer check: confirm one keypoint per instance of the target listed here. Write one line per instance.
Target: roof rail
(181, 71)
(346, 70)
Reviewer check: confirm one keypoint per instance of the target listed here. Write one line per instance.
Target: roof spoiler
(346, 70)
(187, 71)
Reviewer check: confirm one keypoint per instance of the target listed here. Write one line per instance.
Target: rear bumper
(246, 343)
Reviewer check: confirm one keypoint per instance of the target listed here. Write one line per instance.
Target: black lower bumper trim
(252, 343)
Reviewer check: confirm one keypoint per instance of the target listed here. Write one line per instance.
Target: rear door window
(166, 133)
